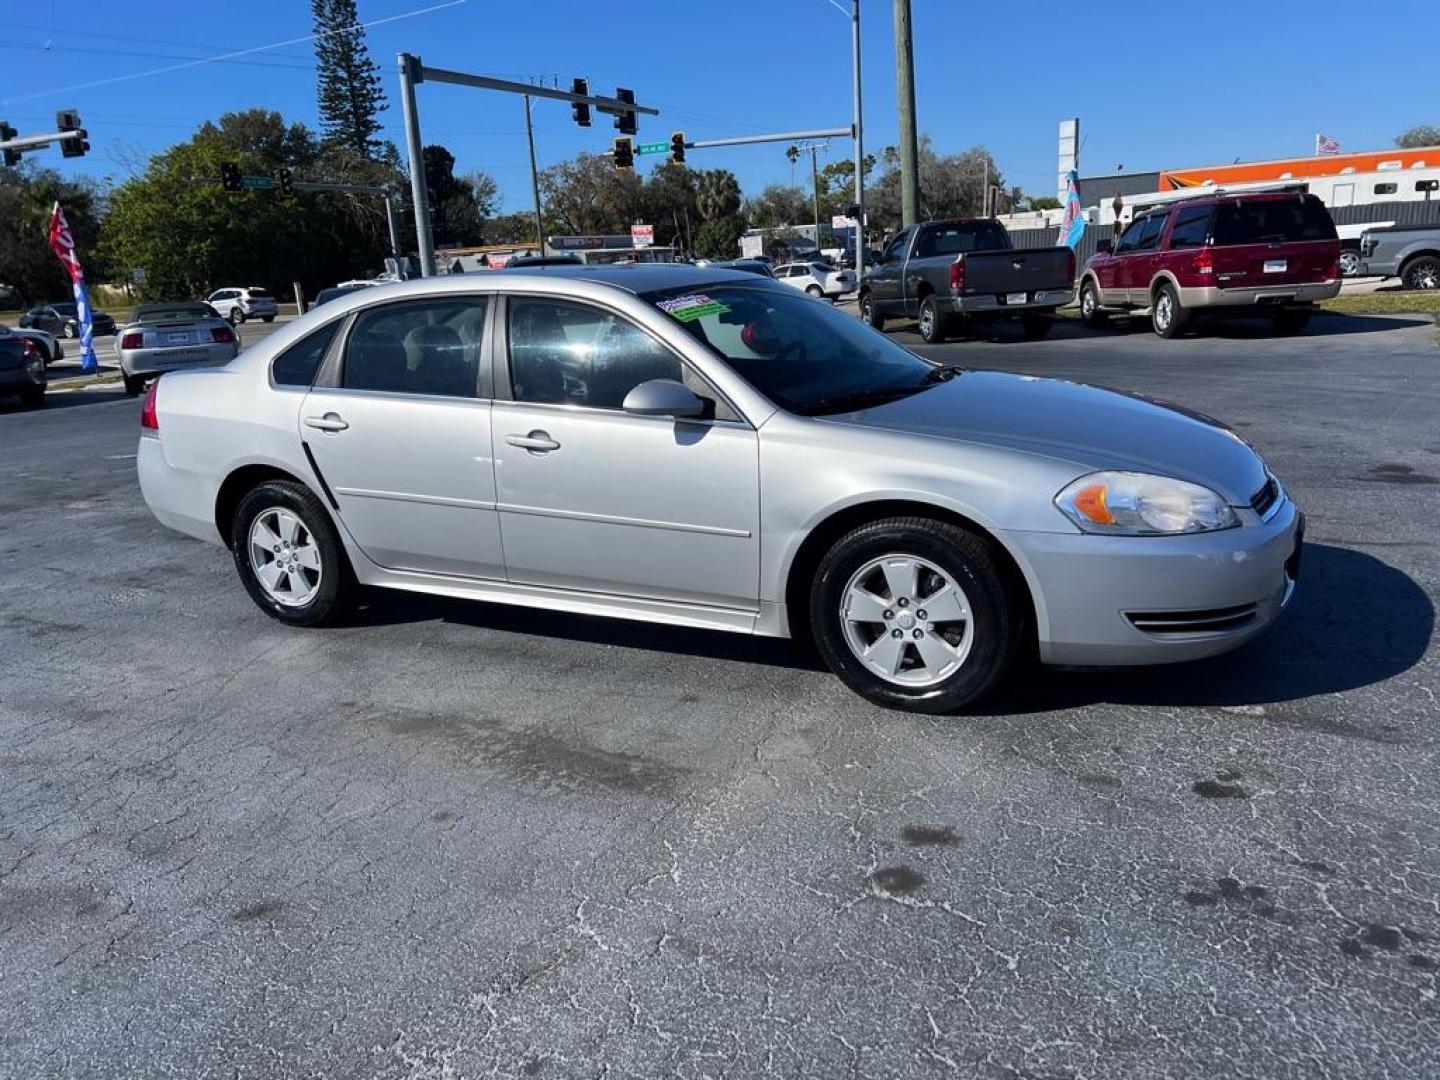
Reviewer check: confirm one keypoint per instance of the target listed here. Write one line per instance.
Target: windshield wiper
(859, 399)
(941, 374)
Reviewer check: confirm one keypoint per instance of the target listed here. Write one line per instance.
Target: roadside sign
(840, 221)
(257, 181)
(653, 148)
(138, 275)
(752, 246)
(642, 236)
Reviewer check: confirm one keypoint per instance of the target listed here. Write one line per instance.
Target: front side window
(297, 365)
(572, 354)
(417, 347)
(1129, 236)
(1192, 226)
(896, 250)
(1150, 230)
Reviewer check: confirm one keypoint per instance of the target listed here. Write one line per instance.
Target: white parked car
(817, 278)
(237, 304)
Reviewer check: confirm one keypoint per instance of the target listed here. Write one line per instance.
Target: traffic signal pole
(413, 72)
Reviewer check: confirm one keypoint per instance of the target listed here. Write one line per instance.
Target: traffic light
(580, 110)
(69, 120)
(12, 157)
(625, 120)
(230, 176)
(286, 181)
(677, 148)
(624, 153)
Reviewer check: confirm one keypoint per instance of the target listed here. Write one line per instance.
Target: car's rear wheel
(1422, 273)
(69, 330)
(134, 384)
(815, 291)
(1090, 313)
(915, 614)
(1290, 320)
(1166, 315)
(289, 556)
(932, 322)
(32, 397)
(868, 315)
(268, 318)
(236, 316)
(1035, 326)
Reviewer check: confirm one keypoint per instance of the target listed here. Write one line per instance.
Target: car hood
(1086, 425)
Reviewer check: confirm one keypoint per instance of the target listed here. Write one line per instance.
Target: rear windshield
(169, 312)
(1273, 220)
(260, 294)
(954, 237)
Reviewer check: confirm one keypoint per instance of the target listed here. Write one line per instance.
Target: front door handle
(329, 422)
(537, 442)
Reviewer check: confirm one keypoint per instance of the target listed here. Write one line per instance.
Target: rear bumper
(184, 501)
(995, 303)
(1210, 296)
(183, 358)
(1121, 601)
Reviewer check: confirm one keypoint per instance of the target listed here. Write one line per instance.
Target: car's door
(399, 425)
(593, 498)
(886, 280)
(1110, 271)
(1140, 263)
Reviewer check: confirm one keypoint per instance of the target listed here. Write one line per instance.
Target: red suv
(1275, 252)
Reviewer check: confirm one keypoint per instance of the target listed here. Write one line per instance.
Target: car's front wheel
(289, 556)
(69, 330)
(1090, 313)
(1349, 262)
(815, 291)
(914, 613)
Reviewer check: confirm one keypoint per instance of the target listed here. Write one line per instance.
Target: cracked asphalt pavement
(460, 840)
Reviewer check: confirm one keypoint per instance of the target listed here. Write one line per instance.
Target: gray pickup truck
(941, 271)
(1409, 252)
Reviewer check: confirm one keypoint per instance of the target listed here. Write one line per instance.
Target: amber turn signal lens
(1090, 501)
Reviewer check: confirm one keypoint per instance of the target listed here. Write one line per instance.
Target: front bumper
(995, 304)
(1211, 296)
(1120, 601)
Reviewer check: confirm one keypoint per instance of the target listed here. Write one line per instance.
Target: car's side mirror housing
(663, 397)
(1104, 247)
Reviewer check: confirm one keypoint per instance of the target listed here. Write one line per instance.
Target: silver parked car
(817, 278)
(169, 337)
(704, 448)
(237, 304)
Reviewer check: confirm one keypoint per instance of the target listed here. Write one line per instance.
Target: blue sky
(1154, 85)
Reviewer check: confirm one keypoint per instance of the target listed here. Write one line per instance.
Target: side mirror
(1104, 247)
(663, 397)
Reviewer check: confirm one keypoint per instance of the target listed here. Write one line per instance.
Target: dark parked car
(22, 369)
(63, 319)
(750, 266)
(334, 292)
(941, 271)
(1272, 253)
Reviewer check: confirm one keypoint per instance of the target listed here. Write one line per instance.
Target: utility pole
(815, 180)
(905, 98)
(411, 73)
(859, 144)
(534, 179)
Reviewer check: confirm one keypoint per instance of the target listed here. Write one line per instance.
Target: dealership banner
(1072, 226)
(63, 244)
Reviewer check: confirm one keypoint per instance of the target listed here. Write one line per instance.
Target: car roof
(630, 277)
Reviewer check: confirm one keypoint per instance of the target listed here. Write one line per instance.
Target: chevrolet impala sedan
(705, 448)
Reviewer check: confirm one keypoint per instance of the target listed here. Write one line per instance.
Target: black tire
(1349, 261)
(1290, 320)
(33, 397)
(134, 385)
(336, 587)
(69, 330)
(996, 620)
(268, 319)
(1035, 326)
(1167, 317)
(868, 315)
(933, 322)
(1421, 272)
(815, 291)
(58, 354)
(236, 316)
(1091, 316)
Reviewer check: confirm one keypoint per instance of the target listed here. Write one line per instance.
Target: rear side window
(297, 365)
(1273, 221)
(961, 236)
(420, 347)
(1192, 226)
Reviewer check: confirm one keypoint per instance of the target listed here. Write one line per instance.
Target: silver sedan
(169, 337)
(704, 448)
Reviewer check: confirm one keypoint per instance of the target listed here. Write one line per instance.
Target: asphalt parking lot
(460, 840)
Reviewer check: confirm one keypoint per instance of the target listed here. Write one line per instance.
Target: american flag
(1326, 145)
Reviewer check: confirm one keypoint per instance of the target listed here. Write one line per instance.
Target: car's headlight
(1138, 504)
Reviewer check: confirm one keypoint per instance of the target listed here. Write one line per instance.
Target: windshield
(806, 357)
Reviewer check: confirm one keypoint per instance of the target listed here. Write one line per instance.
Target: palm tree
(717, 194)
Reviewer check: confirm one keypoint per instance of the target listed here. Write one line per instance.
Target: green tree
(589, 196)
(459, 205)
(951, 185)
(350, 93)
(717, 194)
(1420, 135)
(778, 205)
(1040, 202)
(719, 238)
(27, 264)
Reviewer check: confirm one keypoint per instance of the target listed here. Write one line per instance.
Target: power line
(232, 55)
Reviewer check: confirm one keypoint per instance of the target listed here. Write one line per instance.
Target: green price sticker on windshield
(692, 307)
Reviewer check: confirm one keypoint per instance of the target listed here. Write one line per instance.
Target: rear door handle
(329, 422)
(537, 442)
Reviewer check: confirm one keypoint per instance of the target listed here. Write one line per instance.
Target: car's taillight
(31, 352)
(131, 339)
(1204, 261)
(957, 275)
(223, 335)
(1071, 273)
(1334, 270)
(149, 418)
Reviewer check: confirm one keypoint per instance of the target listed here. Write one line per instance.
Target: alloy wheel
(1087, 301)
(285, 557)
(907, 620)
(1164, 310)
(1349, 262)
(1424, 275)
